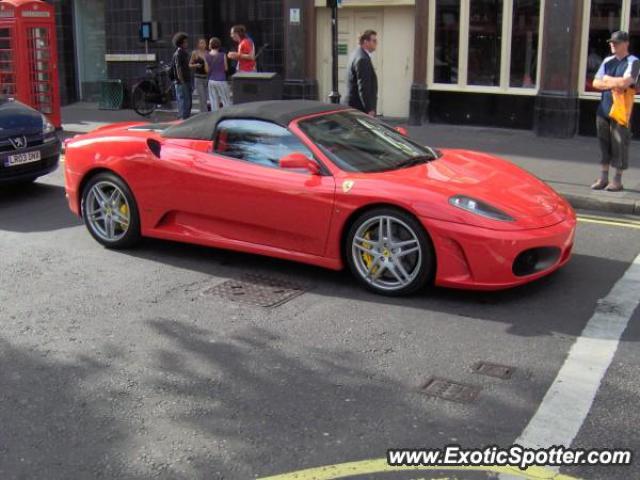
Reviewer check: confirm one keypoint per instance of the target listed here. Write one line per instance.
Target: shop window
(634, 28)
(524, 44)
(447, 38)
(485, 42)
(605, 18)
(485, 45)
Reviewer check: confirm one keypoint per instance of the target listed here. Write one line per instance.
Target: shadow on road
(37, 207)
(50, 425)
(559, 304)
(267, 411)
(204, 406)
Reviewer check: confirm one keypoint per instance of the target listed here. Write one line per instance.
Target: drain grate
(493, 370)
(450, 390)
(257, 290)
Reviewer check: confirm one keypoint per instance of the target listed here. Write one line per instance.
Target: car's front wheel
(110, 212)
(389, 252)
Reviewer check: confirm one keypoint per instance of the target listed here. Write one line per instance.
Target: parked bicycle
(155, 90)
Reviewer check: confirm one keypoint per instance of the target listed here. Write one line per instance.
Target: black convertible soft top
(281, 112)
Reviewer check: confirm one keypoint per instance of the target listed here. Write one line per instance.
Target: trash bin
(256, 86)
(111, 95)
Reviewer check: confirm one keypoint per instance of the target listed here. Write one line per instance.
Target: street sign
(294, 16)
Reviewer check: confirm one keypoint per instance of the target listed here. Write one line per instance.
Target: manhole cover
(257, 290)
(450, 390)
(493, 370)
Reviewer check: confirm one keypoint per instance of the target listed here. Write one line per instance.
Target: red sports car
(325, 185)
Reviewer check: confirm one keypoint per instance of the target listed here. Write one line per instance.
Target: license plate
(22, 158)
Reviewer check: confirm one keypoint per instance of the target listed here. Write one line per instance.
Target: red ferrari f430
(325, 185)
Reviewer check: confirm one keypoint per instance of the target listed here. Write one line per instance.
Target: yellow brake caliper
(124, 210)
(368, 259)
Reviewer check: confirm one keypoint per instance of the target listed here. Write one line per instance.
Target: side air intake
(155, 146)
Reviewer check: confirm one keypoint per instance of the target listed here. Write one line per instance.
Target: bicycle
(154, 90)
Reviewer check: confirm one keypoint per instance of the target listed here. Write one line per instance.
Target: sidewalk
(569, 166)
(84, 117)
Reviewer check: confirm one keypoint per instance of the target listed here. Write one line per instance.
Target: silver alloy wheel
(107, 211)
(387, 253)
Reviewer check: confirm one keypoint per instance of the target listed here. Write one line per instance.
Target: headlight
(479, 208)
(47, 126)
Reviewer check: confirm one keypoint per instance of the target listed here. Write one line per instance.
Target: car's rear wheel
(389, 252)
(110, 212)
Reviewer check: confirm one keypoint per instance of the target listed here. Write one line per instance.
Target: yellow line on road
(368, 467)
(610, 221)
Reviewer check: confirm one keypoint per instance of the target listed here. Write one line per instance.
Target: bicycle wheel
(144, 98)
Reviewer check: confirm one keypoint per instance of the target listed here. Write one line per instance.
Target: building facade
(509, 63)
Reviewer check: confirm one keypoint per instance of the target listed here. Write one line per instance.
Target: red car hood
(495, 181)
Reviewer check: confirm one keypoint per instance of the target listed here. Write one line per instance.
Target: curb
(586, 202)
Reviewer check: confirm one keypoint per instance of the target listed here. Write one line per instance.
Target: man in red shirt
(246, 54)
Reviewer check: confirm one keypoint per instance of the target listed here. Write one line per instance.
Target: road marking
(610, 221)
(569, 399)
(367, 467)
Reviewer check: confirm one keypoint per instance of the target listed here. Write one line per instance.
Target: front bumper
(476, 258)
(50, 157)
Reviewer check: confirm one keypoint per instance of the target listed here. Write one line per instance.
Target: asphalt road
(121, 365)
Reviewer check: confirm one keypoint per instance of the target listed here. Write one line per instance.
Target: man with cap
(616, 78)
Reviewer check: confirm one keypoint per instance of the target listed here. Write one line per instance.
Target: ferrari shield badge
(347, 185)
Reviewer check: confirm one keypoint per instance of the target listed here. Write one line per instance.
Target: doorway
(393, 60)
(90, 42)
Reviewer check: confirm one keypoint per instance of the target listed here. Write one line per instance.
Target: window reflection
(257, 142)
(447, 41)
(524, 43)
(634, 28)
(485, 42)
(605, 19)
(358, 143)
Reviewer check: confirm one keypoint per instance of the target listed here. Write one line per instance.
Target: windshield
(355, 142)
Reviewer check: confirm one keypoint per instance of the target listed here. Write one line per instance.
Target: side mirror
(298, 160)
(402, 131)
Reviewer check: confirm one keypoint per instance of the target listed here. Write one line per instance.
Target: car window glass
(255, 141)
(358, 143)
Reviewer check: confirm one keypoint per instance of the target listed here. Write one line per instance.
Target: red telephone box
(28, 55)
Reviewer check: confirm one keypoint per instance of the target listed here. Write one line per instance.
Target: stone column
(557, 104)
(418, 108)
(300, 49)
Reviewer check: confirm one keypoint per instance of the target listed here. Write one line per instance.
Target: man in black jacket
(362, 82)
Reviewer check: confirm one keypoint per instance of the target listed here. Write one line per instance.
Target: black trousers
(614, 143)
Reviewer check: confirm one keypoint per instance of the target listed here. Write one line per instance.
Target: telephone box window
(7, 66)
(40, 69)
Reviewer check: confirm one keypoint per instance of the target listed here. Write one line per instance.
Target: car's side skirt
(246, 247)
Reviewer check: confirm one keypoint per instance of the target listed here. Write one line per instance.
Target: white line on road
(570, 397)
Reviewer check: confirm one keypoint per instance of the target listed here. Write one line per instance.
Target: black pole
(334, 96)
